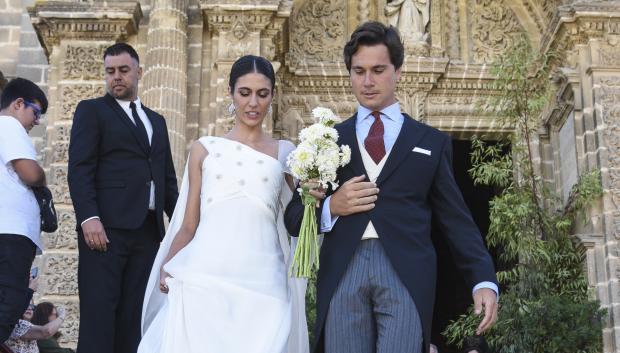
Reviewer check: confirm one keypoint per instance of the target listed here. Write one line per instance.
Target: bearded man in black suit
(121, 179)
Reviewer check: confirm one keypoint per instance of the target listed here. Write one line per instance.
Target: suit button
(150, 160)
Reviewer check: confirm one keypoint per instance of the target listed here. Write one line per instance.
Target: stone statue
(410, 17)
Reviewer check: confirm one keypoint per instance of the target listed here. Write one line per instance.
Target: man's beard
(124, 95)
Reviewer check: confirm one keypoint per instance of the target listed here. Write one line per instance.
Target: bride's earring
(231, 109)
(270, 110)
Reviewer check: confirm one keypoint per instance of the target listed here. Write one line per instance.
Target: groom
(376, 282)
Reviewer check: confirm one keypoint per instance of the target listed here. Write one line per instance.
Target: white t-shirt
(19, 211)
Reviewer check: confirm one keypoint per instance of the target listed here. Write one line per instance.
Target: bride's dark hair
(251, 64)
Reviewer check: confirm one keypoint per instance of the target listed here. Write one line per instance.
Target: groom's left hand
(485, 298)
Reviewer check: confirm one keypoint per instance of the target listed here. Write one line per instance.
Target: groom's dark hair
(375, 33)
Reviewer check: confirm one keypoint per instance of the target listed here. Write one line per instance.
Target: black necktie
(139, 125)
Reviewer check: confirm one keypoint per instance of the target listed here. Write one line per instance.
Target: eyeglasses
(35, 109)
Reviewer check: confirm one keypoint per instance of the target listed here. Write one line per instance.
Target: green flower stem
(306, 256)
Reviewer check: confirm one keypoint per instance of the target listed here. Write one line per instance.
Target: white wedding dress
(229, 290)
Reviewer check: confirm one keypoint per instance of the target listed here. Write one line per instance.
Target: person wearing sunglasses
(21, 104)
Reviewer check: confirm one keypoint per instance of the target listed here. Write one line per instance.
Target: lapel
(120, 113)
(409, 135)
(349, 137)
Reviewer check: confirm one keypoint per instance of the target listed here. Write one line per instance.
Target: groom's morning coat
(413, 186)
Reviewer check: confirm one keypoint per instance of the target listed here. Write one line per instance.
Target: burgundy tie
(374, 141)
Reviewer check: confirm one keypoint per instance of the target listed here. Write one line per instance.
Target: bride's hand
(163, 287)
(318, 194)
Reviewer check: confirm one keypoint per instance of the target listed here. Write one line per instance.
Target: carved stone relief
(610, 55)
(452, 29)
(609, 99)
(60, 273)
(411, 17)
(83, 62)
(494, 25)
(71, 95)
(65, 236)
(70, 327)
(318, 32)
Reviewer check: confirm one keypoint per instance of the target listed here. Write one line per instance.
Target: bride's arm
(192, 210)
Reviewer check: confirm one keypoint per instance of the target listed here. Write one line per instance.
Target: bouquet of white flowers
(314, 162)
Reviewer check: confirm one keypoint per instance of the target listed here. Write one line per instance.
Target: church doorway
(452, 297)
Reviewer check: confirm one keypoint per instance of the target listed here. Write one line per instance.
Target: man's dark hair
(120, 48)
(251, 64)
(375, 33)
(24, 89)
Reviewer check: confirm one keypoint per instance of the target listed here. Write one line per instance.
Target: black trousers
(16, 256)
(112, 286)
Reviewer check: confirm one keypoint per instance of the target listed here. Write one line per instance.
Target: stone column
(74, 36)
(586, 37)
(164, 84)
(237, 28)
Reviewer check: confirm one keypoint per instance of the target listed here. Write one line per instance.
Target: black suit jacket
(110, 169)
(413, 186)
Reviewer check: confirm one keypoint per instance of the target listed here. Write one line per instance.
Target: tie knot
(376, 114)
(132, 105)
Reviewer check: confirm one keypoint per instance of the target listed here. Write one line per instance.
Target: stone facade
(188, 46)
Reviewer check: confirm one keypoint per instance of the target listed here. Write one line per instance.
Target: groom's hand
(485, 298)
(354, 196)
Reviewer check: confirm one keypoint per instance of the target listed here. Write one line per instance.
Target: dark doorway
(452, 296)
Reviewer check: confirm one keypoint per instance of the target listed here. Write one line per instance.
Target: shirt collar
(125, 104)
(392, 112)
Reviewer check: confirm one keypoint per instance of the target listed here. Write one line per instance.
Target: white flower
(318, 155)
(325, 116)
(345, 155)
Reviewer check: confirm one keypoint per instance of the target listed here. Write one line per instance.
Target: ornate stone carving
(55, 20)
(71, 95)
(60, 152)
(452, 29)
(65, 236)
(318, 32)
(59, 185)
(60, 273)
(83, 62)
(70, 327)
(411, 17)
(363, 10)
(493, 28)
(609, 98)
(610, 56)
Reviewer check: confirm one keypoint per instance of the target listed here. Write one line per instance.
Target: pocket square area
(421, 150)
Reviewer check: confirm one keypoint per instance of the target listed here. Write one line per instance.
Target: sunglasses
(35, 109)
(31, 307)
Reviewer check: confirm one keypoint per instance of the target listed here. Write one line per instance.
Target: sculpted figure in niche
(410, 17)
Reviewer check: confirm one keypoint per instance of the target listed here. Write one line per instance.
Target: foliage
(545, 307)
(311, 305)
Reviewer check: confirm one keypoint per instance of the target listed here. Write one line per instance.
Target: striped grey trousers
(371, 310)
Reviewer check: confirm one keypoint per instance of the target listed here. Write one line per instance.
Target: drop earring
(231, 109)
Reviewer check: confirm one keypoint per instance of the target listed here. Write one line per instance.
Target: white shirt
(19, 210)
(149, 132)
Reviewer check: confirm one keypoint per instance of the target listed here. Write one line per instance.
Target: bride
(220, 280)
